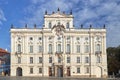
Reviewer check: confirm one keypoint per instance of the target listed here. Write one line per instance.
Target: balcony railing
(50, 52)
(18, 53)
(67, 52)
(59, 52)
(98, 52)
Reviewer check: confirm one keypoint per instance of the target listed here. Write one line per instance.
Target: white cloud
(96, 12)
(2, 17)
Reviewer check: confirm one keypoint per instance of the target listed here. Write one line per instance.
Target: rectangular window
(40, 70)
(50, 48)
(19, 60)
(68, 48)
(31, 60)
(86, 69)
(86, 59)
(78, 48)
(86, 48)
(59, 59)
(31, 48)
(78, 70)
(40, 48)
(31, 70)
(50, 59)
(40, 59)
(68, 59)
(98, 59)
(59, 48)
(78, 59)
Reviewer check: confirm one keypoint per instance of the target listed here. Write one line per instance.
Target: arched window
(50, 25)
(68, 48)
(19, 48)
(59, 48)
(67, 25)
(50, 48)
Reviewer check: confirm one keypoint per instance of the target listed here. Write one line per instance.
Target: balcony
(50, 52)
(67, 52)
(98, 52)
(18, 53)
(59, 52)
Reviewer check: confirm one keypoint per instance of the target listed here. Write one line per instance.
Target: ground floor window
(40, 70)
(87, 70)
(78, 70)
(31, 70)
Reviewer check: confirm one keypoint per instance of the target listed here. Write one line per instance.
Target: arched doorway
(19, 71)
(98, 72)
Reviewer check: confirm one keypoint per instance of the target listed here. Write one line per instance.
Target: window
(78, 48)
(49, 25)
(50, 48)
(78, 70)
(31, 38)
(19, 59)
(59, 59)
(31, 60)
(68, 59)
(86, 38)
(86, 69)
(67, 25)
(68, 48)
(77, 38)
(40, 70)
(86, 48)
(86, 59)
(31, 48)
(39, 48)
(31, 70)
(98, 59)
(78, 59)
(58, 23)
(98, 47)
(39, 38)
(59, 48)
(19, 48)
(50, 59)
(40, 59)
(68, 38)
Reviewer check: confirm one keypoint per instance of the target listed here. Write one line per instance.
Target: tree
(113, 57)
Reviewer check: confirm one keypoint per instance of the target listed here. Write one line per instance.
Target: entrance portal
(60, 71)
(68, 71)
(19, 71)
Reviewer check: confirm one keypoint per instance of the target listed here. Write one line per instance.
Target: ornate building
(58, 49)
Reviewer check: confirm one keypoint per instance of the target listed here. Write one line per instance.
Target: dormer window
(50, 25)
(67, 25)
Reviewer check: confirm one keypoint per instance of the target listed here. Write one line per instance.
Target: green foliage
(113, 57)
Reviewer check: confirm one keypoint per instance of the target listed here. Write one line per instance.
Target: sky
(86, 12)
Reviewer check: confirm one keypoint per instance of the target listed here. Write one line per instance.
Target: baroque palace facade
(58, 49)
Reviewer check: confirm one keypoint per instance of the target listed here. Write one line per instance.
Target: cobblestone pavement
(52, 78)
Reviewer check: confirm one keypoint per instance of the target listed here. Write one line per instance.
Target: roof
(3, 52)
